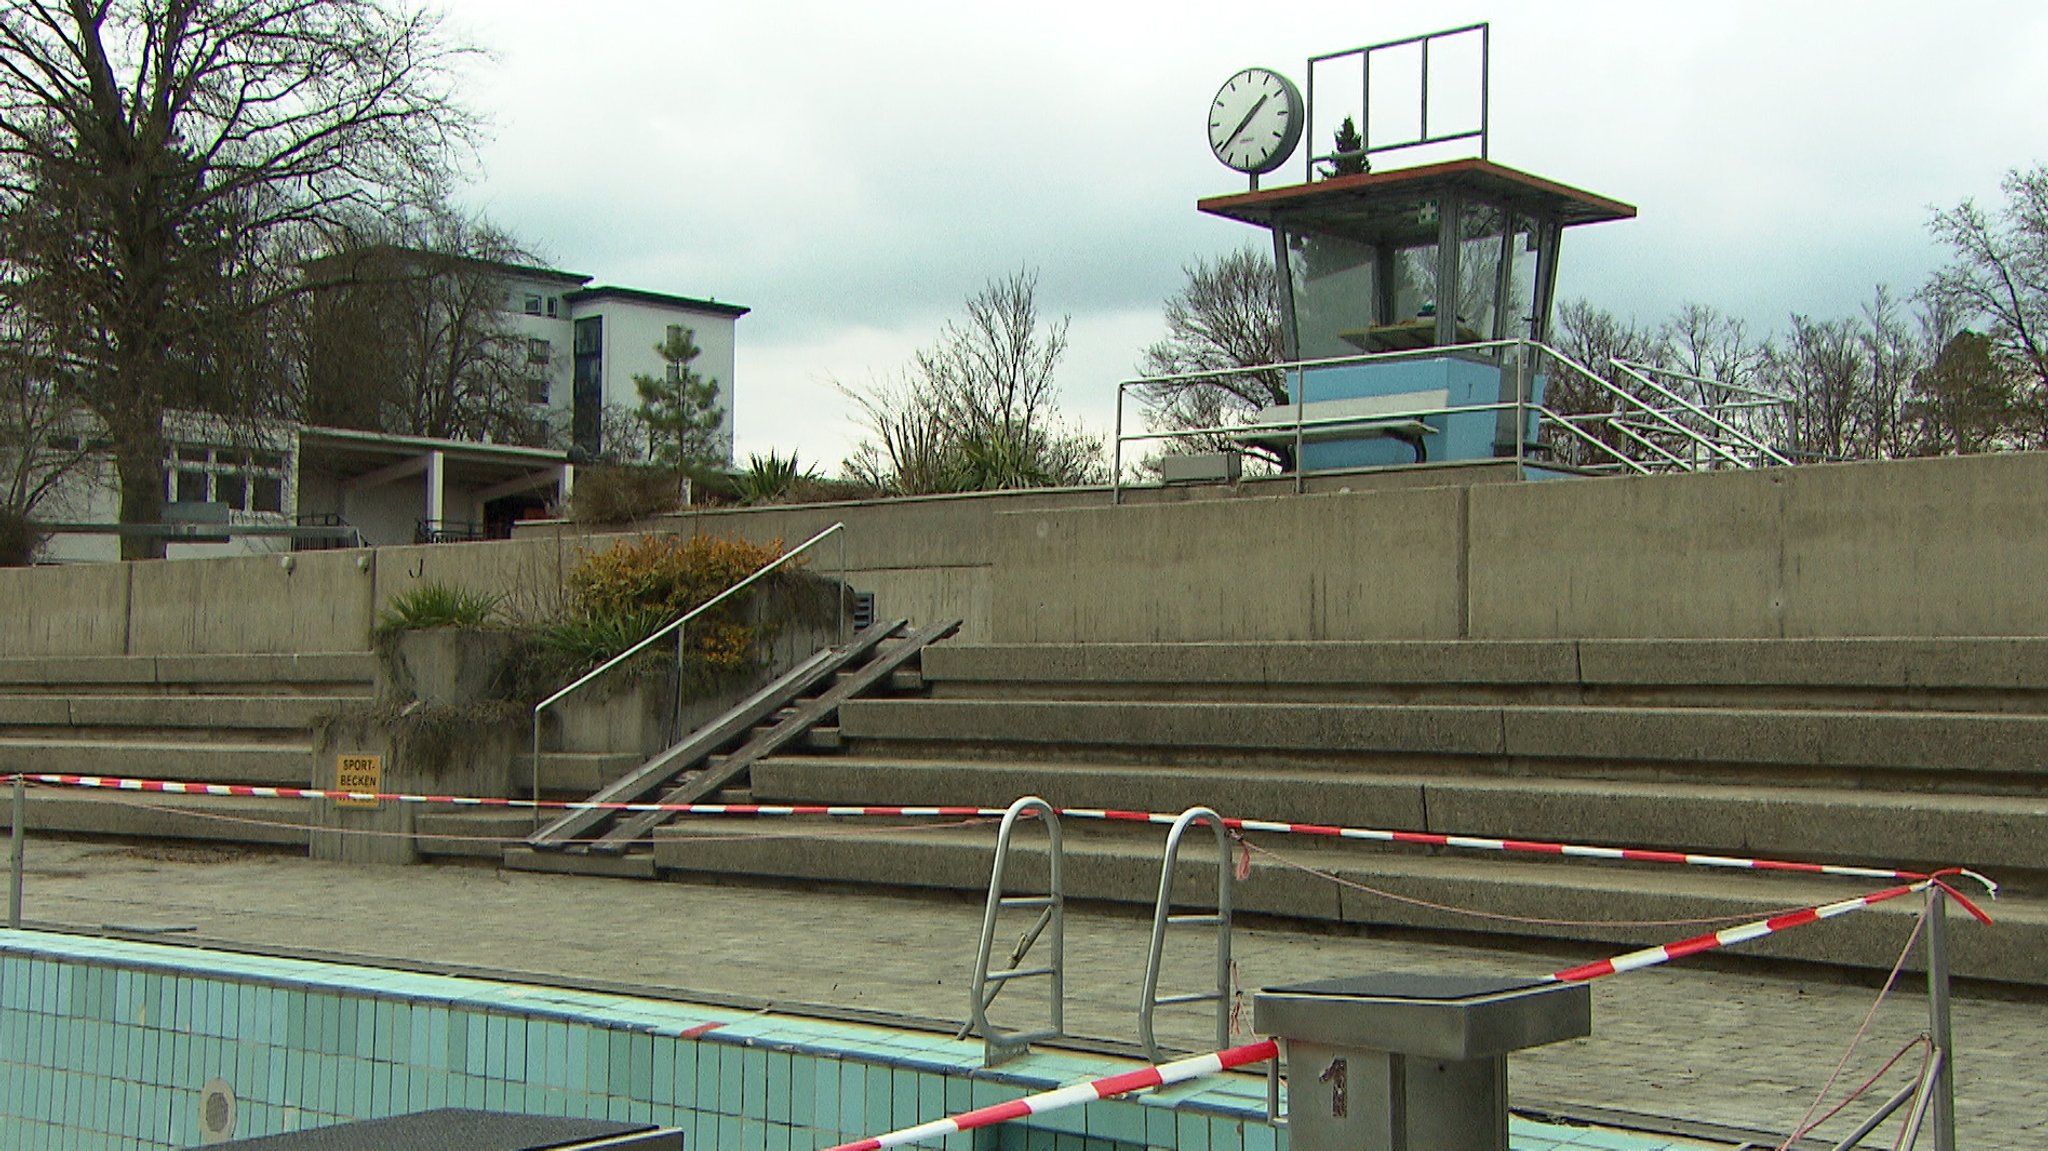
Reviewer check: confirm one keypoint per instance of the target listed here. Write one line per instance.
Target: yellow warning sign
(363, 773)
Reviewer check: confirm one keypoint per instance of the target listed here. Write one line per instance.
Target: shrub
(19, 539)
(662, 573)
(616, 598)
(439, 605)
(620, 495)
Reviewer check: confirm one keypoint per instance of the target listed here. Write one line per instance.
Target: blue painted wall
(1459, 436)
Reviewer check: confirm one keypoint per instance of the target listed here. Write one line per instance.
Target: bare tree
(407, 331)
(978, 410)
(162, 156)
(43, 440)
(1224, 319)
(2000, 273)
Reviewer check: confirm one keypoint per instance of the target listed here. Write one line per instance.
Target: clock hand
(1247, 119)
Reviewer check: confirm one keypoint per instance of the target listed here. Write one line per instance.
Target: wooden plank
(641, 824)
(665, 765)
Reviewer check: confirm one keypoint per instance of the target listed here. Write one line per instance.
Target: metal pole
(1116, 452)
(15, 837)
(842, 588)
(1943, 1113)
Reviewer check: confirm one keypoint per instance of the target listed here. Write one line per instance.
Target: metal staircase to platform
(719, 755)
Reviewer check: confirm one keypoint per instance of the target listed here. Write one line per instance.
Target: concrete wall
(64, 611)
(1308, 567)
(302, 602)
(1943, 547)
(1947, 547)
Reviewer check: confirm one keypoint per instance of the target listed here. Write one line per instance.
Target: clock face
(1255, 121)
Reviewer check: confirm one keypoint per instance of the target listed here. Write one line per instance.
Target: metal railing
(676, 626)
(999, 1045)
(1423, 136)
(1650, 428)
(1163, 918)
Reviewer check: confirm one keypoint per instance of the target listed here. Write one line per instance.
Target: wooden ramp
(720, 753)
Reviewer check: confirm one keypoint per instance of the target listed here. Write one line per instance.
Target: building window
(537, 390)
(195, 473)
(552, 301)
(586, 398)
(539, 351)
(532, 304)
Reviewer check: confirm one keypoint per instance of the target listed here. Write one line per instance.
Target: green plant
(772, 479)
(439, 605)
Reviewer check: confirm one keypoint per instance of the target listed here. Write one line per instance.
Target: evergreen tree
(680, 409)
(1350, 149)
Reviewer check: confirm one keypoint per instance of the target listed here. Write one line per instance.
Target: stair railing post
(1939, 1029)
(534, 795)
(16, 838)
(842, 589)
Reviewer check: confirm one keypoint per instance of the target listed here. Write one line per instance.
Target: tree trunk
(139, 458)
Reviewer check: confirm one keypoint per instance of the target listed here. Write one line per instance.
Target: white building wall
(556, 330)
(633, 329)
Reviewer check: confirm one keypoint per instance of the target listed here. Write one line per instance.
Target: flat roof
(641, 296)
(1325, 201)
(351, 439)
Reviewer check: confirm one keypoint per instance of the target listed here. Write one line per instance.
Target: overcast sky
(853, 171)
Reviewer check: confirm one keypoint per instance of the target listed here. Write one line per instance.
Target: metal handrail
(1762, 447)
(1162, 917)
(999, 1045)
(1667, 415)
(676, 626)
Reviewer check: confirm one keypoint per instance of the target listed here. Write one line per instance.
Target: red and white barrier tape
(1179, 1071)
(1370, 835)
(1743, 933)
(1182, 1070)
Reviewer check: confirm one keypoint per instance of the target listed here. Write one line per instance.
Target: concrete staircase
(1909, 753)
(198, 718)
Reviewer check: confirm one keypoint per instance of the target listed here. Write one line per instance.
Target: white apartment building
(588, 343)
(310, 486)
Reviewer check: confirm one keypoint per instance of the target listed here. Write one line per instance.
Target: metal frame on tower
(1423, 136)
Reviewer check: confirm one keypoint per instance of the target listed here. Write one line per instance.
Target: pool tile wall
(110, 1044)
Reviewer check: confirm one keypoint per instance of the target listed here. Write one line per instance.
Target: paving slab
(1686, 1042)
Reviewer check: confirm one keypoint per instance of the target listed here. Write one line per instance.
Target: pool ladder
(999, 1045)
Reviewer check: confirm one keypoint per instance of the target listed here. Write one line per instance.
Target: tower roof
(1315, 206)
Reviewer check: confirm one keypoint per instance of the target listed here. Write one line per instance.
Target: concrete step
(2017, 664)
(277, 764)
(230, 819)
(481, 834)
(1818, 743)
(273, 674)
(639, 865)
(574, 774)
(2002, 835)
(1608, 908)
(215, 712)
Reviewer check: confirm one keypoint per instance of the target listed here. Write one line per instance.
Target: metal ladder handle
(998, 1043)
(1162, 916)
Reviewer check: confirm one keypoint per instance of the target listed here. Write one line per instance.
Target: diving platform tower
(1412, 300)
